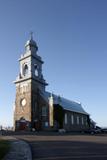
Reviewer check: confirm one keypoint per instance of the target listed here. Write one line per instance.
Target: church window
(86, 122)
(77, 119)
(23, 88)
(44, 111)
(25, 70)
(36, 70)
(72, 119)
(66, 118)
(46, 124)
(82, 120)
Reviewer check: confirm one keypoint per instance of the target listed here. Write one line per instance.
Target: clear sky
(72, 40)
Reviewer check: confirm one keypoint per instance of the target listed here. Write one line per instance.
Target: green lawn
(4, 148)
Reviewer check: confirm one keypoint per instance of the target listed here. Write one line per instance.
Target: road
(67, 147)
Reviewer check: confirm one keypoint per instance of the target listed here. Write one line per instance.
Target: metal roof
(65, 103)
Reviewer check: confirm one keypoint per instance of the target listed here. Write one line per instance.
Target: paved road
(68, 147)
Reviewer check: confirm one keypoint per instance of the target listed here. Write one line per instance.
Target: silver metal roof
(65, 103)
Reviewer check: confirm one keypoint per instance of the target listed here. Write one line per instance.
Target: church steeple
(29, 83)
(31, 65)
(31, 45)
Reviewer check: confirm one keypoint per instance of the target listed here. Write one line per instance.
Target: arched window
(44, 111)
(82, 120)
(25, 70)
(66, 118)
(72, 119)
(78, 120)
(36, 70)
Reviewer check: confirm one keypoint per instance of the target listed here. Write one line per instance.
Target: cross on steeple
(31, 35)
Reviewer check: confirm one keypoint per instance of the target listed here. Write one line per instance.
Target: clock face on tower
(23, 102)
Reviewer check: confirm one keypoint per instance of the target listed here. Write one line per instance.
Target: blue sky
(72, 40)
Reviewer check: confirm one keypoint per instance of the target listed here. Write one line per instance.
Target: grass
(4, 148)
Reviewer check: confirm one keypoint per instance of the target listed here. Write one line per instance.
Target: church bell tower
(29, 83)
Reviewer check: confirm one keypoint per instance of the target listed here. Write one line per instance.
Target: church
(37, 109)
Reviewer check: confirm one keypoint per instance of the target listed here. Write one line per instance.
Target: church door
(22, 126)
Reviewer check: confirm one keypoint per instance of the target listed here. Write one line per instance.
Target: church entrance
(22, 124)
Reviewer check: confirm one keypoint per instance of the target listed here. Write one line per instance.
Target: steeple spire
(31, 44)
(31, 35)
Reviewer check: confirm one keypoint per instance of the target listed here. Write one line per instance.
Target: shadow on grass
(4, 148)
